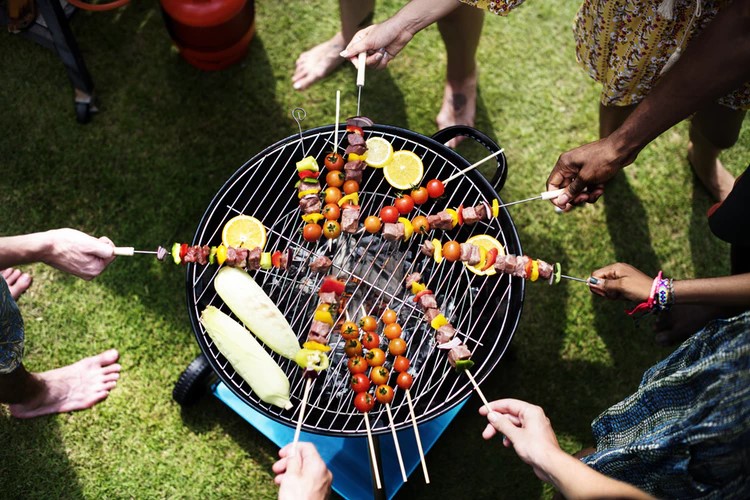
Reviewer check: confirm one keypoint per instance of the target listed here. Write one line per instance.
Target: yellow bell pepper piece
(454, 216)
(304, 193)
(438, 254)
(534, 270)
(316, 346)
(324, 317)
(495, 208)
(356, 157)
(308, 163)
(221, 254)
(408, 227)
(417, 287)
(438, 321)
(313, 217)
(352, 198)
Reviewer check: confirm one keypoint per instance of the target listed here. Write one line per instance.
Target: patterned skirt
(11, 331)
(685, 433)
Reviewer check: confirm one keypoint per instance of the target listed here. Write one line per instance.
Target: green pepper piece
(557, 275)
(212, 255)
(312, 358)
(463, 364)
(176, 253)
(307, 163)
(265, 260)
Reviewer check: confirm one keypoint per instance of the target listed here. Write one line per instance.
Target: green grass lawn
(167, 138)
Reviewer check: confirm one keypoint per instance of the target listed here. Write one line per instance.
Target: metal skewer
(129, 251)
(589, 281)
(470, 167)
(547, 195)
(360, 76)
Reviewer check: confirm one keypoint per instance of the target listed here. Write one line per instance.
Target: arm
(302, 475)
(393, 34)
(623, 281)
(715, 62)
(528, 430)
(68, 250)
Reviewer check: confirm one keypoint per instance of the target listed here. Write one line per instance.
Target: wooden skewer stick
(336, 123)
(479, 391)
(372, 453)
(308, 384)
(395, 441)
(470, 167)
(416, 435)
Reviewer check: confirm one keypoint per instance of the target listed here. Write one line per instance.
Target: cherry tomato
(371, 340)
(351, 186)
(384, 394)
(311, 232)
(353, 347)
(357, 364)
(359, 382)
(435, 188)
(389, 214)
(331, 229)
(420, 195)
(349, 330)
(375, 357)
(331, 211)
(379, 375)
(404, 380)
(392, 331)
(332, 194)
(397, 346)
(364, 402)
(333, 161)
(335, 178)
(420, 224)
(372, 224)
(401, 364)
(389, 316)
(404, 204)
(368, 324)
(452, 250)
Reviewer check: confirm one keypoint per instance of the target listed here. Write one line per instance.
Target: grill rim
(510, 232)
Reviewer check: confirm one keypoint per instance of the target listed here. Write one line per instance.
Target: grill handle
(501, 171)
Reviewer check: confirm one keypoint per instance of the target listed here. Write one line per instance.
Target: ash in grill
(484, 310)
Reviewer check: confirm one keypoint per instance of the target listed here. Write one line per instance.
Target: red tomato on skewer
(384, 394)
(364, 402)
(404, 380)
(359, 382)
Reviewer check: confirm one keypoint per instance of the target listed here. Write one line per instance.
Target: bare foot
(318, 62)
(711, 172)
(459, 105)
(18, 281)
(74, 387)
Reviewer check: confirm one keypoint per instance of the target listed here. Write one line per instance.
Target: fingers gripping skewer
(395, 442)
(308, 385)
(471, 167)
(373, 457)
(360, 76)
(416, 435)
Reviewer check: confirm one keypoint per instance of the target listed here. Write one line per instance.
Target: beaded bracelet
(661, 296)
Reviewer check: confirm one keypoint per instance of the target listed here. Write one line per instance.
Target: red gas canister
(210, 34)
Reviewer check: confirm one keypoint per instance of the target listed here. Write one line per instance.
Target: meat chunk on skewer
(465, 252)
(431, 314)
(310, 204)
(520, 269)
(350, 219)
(328, 298)
(481, 211)
(355, 140)
(457, 353)
(427, 248)
(441, 220)
(445, 334)
(357, 149)
(319, 332)
(470, 215)
(475, 256)
(427, 301)
(359, 121)
(413, 278)
(253, 259)
(393, 232)
(321, 264)
(354, 170)
(305, 186)
(545, 270)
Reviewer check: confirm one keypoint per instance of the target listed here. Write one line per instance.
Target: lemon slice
(485, 242)
(244, 231)
(404, 171)
(379, 152)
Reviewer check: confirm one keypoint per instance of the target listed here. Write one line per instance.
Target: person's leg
(713, 129)
(74, 387)
(318, 62)
(611, 117)
(18, 281)
(461, 31)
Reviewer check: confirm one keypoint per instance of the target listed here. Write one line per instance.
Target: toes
(108, 357)
(115, 375)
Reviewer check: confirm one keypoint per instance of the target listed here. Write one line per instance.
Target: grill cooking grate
(484, 310)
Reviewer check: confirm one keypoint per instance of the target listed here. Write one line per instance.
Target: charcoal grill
(484, 309)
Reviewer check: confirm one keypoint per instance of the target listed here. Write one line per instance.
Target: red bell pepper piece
(528, 267)
(354, 129)
(183, 251)
(331, 284)
(276, 259)
(419, 295)
(491, 258)
(304, 174)
(460, 211)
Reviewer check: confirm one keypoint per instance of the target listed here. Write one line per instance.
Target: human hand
(78, 253)
(303, 475)
(583, 171)
(621, 281)
(382, 42)
(525, 427)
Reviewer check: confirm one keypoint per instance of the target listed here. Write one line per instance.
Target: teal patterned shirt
(11, 331)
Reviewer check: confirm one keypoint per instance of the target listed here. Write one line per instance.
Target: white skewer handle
(336, 123)
(361, 69)
(416, 435)
(470, 167)
(372, 453)
(125, 251)
(297, 431)
(395, 442)
(551, 195)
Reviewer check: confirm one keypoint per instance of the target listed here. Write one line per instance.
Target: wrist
(625, 146)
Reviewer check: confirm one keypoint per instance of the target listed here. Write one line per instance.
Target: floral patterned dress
(11, 331)
(624, 44)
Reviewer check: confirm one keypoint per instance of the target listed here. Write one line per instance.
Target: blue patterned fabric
(11, 331)
(686, 432)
